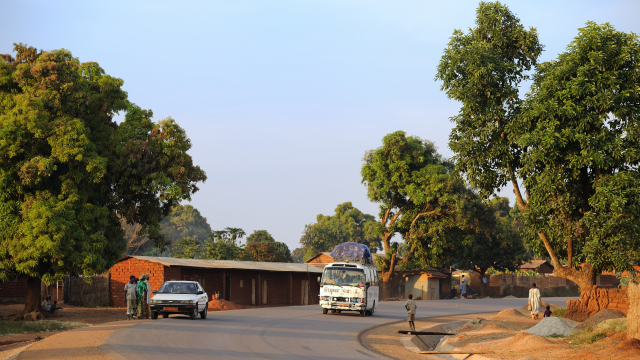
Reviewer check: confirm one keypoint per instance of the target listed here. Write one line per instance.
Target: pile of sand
(527, 341)
(509, 314)
(629, 344)
(602, 316)
(550, 326)
(220, 305)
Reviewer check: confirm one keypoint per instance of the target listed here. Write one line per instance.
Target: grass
(559, 312)
(556, 336)
(586, 336)
(617, 325)
(23, 327)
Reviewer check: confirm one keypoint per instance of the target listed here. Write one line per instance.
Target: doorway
(227, 288)
(265, 292)
(253, 291)
(304, 292)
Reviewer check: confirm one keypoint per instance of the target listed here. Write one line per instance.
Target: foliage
(183, 222)
(420, 198)
(499, 247)
(186, 248)
(559, 312)
(216, 248)
(517, 272)
(229, 235)
(275, 249)
(628, 277)
(67, 170)
(22, 327)
(265, 252)
(586, 336)
(348, 224)
(297, 255)
(571, 145)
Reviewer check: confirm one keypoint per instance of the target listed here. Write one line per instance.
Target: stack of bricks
(594, 299)
(121, 272)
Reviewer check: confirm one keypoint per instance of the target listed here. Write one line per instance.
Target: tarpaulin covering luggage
(353, 252)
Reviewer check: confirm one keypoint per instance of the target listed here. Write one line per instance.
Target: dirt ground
(500, 337)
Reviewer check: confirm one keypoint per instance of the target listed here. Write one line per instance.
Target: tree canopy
(68, 171)
(570, 149)
(348, 224)
(272, 251)
(420, 199)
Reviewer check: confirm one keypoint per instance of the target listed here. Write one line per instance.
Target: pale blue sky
(282, 98)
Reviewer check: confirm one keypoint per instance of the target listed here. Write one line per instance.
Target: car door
(202, 298)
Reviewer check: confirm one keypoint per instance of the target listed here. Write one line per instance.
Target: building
(243, 282)
(539, 266)
(424, 285)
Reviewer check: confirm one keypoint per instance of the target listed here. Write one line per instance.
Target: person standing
(141, 292)
(130, 296)
(411, 307)
(534, 301)
(463, 287)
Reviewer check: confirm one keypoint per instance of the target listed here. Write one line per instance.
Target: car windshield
(177, 288)
(342, 276)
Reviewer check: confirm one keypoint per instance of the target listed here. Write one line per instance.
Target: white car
(179, 297)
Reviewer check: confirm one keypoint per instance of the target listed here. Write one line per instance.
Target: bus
(347, 286)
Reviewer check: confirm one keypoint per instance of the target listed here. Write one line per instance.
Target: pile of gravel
(601, 316)
(550, 326)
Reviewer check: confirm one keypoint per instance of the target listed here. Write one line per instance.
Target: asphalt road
(284, 333)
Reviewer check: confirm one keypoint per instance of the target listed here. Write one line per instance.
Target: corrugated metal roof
(229, 264)
(533, 264)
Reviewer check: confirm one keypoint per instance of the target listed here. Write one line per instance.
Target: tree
(222, 245)
(500, 247)
(186, 248)
(68, 171)
(265, 252)
(419, 197)
(183, 222)
(262, 237)
(569, 149)
(297, 255)
(347, 225)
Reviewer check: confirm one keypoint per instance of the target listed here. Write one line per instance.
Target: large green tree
(67, 170)
(223, 245)
(569, 150)
(420, 199)
(348, 224)
(274, 249)
(498, 246)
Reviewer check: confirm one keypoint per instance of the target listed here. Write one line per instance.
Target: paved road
(284, 333)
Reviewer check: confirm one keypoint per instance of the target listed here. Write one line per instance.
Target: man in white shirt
(463, 287)
(130, 296)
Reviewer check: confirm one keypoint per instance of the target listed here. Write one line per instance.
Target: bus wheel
(333, 311)
(373, 308)
(324, 311)
(361, 313)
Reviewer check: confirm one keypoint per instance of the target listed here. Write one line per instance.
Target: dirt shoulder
(385, 339)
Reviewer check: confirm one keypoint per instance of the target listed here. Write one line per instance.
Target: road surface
(283, 333)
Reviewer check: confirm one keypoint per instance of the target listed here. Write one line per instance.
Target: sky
(281, 99)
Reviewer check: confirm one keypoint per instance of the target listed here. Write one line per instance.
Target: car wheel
(154, 315)
(194, 313)
(165, 315)
(324, 311)
(203, 313)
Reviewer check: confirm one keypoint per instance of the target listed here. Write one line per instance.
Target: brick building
(243, 282)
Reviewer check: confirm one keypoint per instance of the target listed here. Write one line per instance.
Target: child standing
(411, 307)
(547, 313)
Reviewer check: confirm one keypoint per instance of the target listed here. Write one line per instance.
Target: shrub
(559, 312)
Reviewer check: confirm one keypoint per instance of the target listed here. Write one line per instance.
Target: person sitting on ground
(411, 307)
(547, 312)
(46, 304)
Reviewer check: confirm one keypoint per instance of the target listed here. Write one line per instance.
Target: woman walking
(534, 301)
(142, 291)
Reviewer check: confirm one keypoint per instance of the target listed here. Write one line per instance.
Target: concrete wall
(518, 286)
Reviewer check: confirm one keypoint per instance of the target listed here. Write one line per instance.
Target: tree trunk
(32, 310)
(389, 285)
(483, 286)
(582, 276)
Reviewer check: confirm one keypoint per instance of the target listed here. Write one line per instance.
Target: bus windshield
(342, 276)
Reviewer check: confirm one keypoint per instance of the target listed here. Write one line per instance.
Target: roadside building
(539, 266)
(243, 282)
(424, 285)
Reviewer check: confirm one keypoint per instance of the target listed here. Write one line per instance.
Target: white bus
(349, 287)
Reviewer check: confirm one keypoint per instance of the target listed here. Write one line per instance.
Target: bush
(559, 312)
(586, 336)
